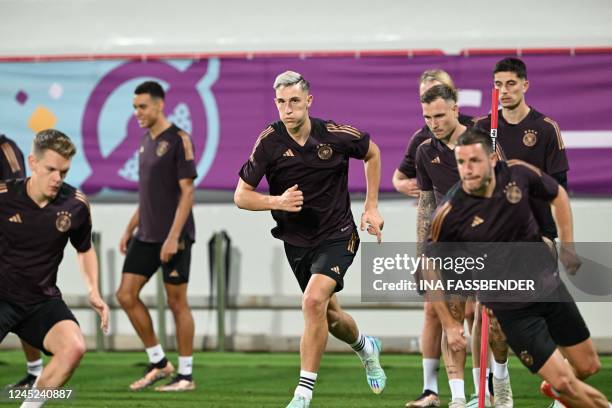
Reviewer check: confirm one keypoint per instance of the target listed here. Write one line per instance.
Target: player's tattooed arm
(427, 204)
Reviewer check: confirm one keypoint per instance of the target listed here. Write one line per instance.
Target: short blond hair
(290, 78)
(51, 139)
(437, 75)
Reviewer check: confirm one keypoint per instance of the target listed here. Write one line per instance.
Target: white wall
(33, 27)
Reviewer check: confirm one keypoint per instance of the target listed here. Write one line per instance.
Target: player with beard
(492, 204)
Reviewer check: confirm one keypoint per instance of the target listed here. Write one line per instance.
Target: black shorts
(330, 258)
(142, 258)
(32, 322)
(535, 332)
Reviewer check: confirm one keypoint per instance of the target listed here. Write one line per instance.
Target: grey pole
(160, 305)
(220, 275)
(96, 239)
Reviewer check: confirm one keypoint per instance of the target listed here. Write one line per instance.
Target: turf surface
(266, 380)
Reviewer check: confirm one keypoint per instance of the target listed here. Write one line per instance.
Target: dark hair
(152, 88)
(444, 92)
(476, 135)
(51, 139)
(511, 65)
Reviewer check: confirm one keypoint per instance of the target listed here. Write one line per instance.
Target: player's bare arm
(129, 232)
(88, 264)
(562, 213)
(426, 206)
(405, 185)
(371, 218)
(185, 204)
(247, 198)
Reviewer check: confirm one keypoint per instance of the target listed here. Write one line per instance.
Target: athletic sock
(430, 374)
(500, 370)
(33, 402)
(476, 378)
(156, 354)
(185, 364)
(306, 384)
(362, 346)
(35, 367)
(457, 389)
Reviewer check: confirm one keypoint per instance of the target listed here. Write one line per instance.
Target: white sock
(185, 365)
(156, 353)
(306, 384)
(33, 403)
(500, 370)
(457, 389)
(476, 378)
(430, 374)
(35, 367)
(363, 346)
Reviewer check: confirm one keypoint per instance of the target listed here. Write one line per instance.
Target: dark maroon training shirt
(507, 216)
(32, 240)
(319, 168)
(163, 161)
(408, 163)
(436, 168)
(535, 140)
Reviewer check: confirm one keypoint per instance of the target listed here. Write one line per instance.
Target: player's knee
(177, 304)
(125, 298)
(588, 368)
(72, 352)
(430, 314)
(565, 384)
(313, 304)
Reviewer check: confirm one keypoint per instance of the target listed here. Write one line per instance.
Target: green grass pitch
(267, 380)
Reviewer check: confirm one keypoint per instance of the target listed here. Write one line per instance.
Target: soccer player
(526, 134)
(38, 216)
(305, 161)
(436, 174)
(404, 177)
(164, 235)
(12, 166)
(492, 204)
(405, 182)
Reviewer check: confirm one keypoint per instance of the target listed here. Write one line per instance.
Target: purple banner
(225, 104)
(379, 94)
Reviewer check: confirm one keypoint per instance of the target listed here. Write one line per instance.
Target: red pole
(494, 99)
(484, 353)
(484, 331)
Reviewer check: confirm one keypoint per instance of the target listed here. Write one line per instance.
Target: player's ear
(493, 159)
(308, 100)
(32, 162)
(525, 86)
